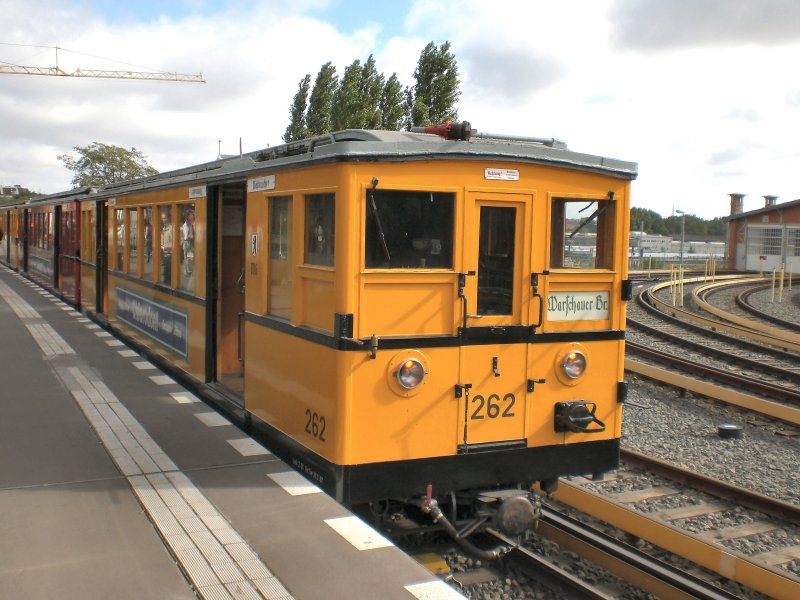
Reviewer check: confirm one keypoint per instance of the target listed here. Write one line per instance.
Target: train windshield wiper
(374, 208)
(600, 210)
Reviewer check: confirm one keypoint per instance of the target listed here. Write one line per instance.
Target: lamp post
(683, 230)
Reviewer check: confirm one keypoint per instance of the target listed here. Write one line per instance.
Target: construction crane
(100, 73)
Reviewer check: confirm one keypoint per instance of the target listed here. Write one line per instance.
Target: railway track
(662, 297)
(670, 345)
(636, 567)
(712, 528)
(745, 302)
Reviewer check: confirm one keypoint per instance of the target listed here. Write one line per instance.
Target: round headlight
(574, 364)
(410, 374)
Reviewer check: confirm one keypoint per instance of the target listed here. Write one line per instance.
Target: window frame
(605, 243)
(455, 195)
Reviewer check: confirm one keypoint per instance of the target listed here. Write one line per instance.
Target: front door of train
(492, 406)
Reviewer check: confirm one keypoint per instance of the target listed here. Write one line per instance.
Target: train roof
(370, 145)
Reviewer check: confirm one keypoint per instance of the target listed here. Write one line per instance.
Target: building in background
(13, 191)
(765, 239)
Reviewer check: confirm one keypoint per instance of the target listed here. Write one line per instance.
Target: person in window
(148, 240)
(120, 242)
(187, 242)
(166, 248)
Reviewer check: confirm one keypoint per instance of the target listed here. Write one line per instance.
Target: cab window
(582, 234)
(409, 230)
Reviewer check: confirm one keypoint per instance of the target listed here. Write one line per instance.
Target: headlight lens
(410, 374)
(574, 364)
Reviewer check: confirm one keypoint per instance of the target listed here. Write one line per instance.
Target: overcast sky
(703, 94)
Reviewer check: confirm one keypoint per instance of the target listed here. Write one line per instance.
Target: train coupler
(514, 512)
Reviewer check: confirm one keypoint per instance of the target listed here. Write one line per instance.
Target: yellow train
(420, 315)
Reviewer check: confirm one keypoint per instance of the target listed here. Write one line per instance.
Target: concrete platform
(117, 482)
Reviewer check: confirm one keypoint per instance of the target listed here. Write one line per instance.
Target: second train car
(410, 316)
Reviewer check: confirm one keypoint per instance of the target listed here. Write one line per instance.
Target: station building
(764, 239)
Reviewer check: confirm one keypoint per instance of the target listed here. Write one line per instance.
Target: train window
(88, 236)
(582, 234)
(69, 236)
(409, 230)
(147, 225)
(280, 256)
(133, 241)
(120, 224)
(320, 224)
(496, 260)
(166, 243)
(50, 221)
(186, 280)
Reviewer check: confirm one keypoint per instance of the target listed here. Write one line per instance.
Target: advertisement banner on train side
(162, 323)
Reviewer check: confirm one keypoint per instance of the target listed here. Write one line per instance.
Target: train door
(22, 239)
(492, 363)
(229, 341)
(68, 266)
(5, 236)
(101, 256)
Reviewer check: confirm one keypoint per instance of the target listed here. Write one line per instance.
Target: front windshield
(409, 230)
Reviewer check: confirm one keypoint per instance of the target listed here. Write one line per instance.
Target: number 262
(492, 407)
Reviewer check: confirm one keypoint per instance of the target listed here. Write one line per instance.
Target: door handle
(240, 283)
(536, 294)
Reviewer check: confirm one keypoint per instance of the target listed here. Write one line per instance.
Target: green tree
(356, 103)
(297, 129)
(651, 221)
(348, 106)
(391, 105)
(436, 91)
(718, 226)
(371, 90)
(364, 98)
(319, 117)
(100, 164)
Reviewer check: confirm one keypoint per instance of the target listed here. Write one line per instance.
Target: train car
(45, 240)
(421, 317)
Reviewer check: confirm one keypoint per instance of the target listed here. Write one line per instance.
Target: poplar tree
(318, 119)
(297, 129)
(347, 110)
(364, 98)
(371, 89)
(435, 93)
(391, 105)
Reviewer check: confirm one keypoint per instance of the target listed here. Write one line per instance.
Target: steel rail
(707, 322)
(644, 301)
(632, 565)
(781, 412)
(703, 348)
(743, 302)
(548, 574)
(730, 564)
(699, 295)
(715, 487)
(742, 382)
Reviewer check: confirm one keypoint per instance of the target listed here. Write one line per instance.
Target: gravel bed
(787, 309)
(511, 584)
(658, 421)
